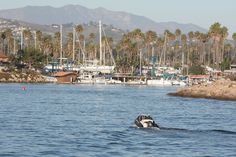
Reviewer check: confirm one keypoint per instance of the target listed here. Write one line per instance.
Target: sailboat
(166, 78)
(94, 66)
(96, 70)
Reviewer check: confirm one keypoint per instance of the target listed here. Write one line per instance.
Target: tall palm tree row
(170, 48)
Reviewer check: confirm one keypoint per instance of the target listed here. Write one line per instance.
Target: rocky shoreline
(220, 90)
(22, 77)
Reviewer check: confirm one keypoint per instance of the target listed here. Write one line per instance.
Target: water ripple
(84, 120)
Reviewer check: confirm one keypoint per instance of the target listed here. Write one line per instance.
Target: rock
(221, 89)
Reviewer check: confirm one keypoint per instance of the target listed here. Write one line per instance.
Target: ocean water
(97, 120)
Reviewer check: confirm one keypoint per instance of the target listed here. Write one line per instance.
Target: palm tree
(214, 33)
(150, 39)
(184, 50)
(234, 38)
(69, 45)
(9, 37)
(124, 48)
(179, 45)
(27, 37)
(56, 43)
(3, 37)
(82, 46)
(138, 38)
(178, 34)
(203, 39)
(92, 45)
(79, 29)
(224, 34)
(168, 52)
(109, 43)
(91, 37)
(39, 38)
(47, 46)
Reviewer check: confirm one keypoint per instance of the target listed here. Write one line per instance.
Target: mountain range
(47, 15)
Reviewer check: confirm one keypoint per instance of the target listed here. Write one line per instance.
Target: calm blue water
(86, 120)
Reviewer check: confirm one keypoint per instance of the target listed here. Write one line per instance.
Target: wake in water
(186, 130)
(146, 122)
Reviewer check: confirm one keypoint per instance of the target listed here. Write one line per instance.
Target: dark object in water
(143, 121)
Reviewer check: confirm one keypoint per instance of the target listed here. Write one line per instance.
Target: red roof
(199, 76)
(62, 73)
(3, 55)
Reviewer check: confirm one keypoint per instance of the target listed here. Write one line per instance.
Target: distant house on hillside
(65, 77)
(198, 79)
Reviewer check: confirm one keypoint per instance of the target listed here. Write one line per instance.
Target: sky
(200, 12)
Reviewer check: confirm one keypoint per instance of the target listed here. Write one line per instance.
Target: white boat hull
(160, 82)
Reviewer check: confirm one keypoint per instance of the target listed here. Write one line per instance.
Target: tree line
(171, 49)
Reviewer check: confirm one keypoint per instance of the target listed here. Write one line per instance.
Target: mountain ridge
(47, 15)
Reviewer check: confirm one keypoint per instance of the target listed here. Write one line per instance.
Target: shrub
(197, 70)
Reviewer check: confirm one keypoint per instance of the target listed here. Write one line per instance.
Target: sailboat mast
(21, 40)
(165, 48)
(35, 39)
(73, 57)
(61, 45)
(140, 62)
(100, 40)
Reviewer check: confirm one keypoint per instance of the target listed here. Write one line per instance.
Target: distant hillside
(46, 15)
(92, 27)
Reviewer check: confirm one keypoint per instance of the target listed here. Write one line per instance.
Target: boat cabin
(65, 77)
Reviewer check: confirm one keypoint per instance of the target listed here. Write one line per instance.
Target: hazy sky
(199, 12)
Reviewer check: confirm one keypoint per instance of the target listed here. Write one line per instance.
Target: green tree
(34, 58)
(3, 37)
(197, 70)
